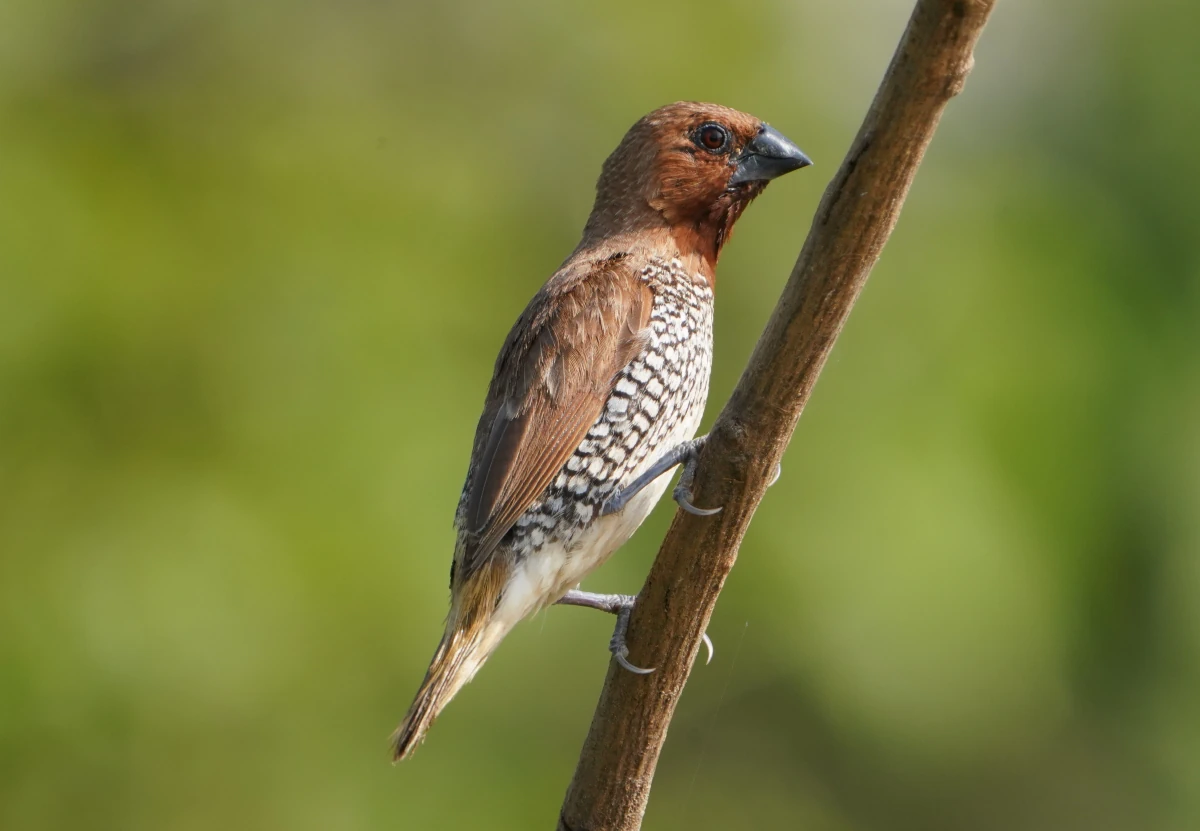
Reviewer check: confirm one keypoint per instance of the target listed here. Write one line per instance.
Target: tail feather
(474, 628)
(455, 662)
(444, 678)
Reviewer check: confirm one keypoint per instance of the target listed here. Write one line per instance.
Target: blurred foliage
(255, 263)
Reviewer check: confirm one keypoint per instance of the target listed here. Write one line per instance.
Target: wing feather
(556, 371)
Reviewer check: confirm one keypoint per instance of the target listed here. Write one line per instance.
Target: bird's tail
(470, 638)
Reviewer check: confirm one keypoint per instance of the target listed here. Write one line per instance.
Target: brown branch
(855, 217)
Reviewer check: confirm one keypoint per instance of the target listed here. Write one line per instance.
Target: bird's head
(691, 168)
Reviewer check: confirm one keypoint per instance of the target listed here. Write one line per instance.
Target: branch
(855, 217)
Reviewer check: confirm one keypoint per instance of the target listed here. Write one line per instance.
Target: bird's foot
(686, 453)
(617, 644)
(620, 605)
(683, 488)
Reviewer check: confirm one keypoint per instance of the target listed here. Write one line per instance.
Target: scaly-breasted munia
(599, 387)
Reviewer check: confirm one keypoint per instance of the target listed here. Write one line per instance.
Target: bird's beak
(769, 154)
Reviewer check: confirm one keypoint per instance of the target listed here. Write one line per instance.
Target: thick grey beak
(769, 155)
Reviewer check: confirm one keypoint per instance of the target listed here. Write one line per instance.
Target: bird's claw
(709, 646)
(775, 476)
(620, 656)
(617, 645)
(683, 496)
(683, 490)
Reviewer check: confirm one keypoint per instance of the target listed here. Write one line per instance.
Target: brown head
(689, 169)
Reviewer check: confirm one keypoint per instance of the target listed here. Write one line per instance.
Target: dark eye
(712, 137)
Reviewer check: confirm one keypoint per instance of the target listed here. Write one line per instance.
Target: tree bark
(855, 217)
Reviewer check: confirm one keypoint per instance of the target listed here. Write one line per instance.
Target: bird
(599, 388)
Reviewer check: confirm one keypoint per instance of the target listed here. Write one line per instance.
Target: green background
(256, 259)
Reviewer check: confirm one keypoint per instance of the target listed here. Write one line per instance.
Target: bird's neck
(661, 242)
(700, 247)
(694, 231)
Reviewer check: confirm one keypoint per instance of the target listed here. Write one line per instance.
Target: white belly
(545, 576)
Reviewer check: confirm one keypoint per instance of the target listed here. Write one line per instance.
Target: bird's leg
(620, 605)
(686, 453)
(611, 603)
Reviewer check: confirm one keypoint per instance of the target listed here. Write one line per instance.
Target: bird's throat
(703, 238)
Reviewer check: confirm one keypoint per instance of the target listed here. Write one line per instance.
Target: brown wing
(553, 376)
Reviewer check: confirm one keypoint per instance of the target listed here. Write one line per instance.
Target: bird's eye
(712, 137)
